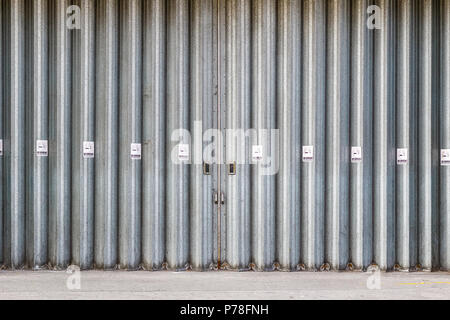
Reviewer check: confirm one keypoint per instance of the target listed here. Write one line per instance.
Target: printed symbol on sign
(356, 155)
(402, 156)
(445, 157)
(136, 151)
(183, 152)
(88, 149)
(257, 153)
(308, 153)
(42, 148)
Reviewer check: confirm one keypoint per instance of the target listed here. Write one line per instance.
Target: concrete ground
(222, 285)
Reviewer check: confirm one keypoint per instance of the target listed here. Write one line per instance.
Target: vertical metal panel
(425, 103)
(445, 134)
(337, 134)
(384, 134)
(154, 126)
(425, 205)
(130, 128)
(83, 130)
(60, 135)
(106, 130)
(14, 245)
(2, 134)
(107, 134)
(202, 95)
(220, 80)
(405, 129)
(263, 118)
(288, 100)
(313, 116)
(435, 133)
(37, 129)
(178, 174)
(361, 136)
(238, 54)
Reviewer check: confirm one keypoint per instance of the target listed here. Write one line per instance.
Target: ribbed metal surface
(147, 72)
(106, 134)
(60, 106)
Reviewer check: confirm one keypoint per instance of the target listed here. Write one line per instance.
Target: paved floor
(222, 285)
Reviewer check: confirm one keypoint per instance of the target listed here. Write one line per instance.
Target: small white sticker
(402, 156)
(308, 153)
(41, 148)
(356, 155)
(136, 151)
(1, 147)
(445, 157)
(183, 152)
(257, 153)
(88, 149)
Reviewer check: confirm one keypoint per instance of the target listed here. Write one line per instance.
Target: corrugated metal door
(334, 87)
(328, 150)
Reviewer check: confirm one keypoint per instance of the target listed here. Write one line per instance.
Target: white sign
(41, 148)
(1, 147)
(257, 153)
(308, 153)
(136, 153)
(356, 155)
(183, 152)
(88, 149)
(445, 157)
(402, 156)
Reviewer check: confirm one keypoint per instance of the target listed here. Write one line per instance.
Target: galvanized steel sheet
(107, 109)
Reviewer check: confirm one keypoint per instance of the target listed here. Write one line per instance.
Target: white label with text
(308, 153)
(88, 149)
(402, 156)
(183, 152)
(356, 155)
(136, 152)
(257, 153)
(445, 157)
(42, 148)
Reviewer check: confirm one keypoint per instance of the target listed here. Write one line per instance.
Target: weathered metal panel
(201, 120)
(288, 115)
(154, 132)
(406, 133)
(445, 134)
(156, 74)
(130, 131)
(383, 137)
(2, 134)
(263, 117)
(361, 134)
(60, 106)
(238, 102)
(337, 134)
(106, 134)
(37, 129)
(83, 133)
(14, 144)
(178, 120)
(312, 134)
